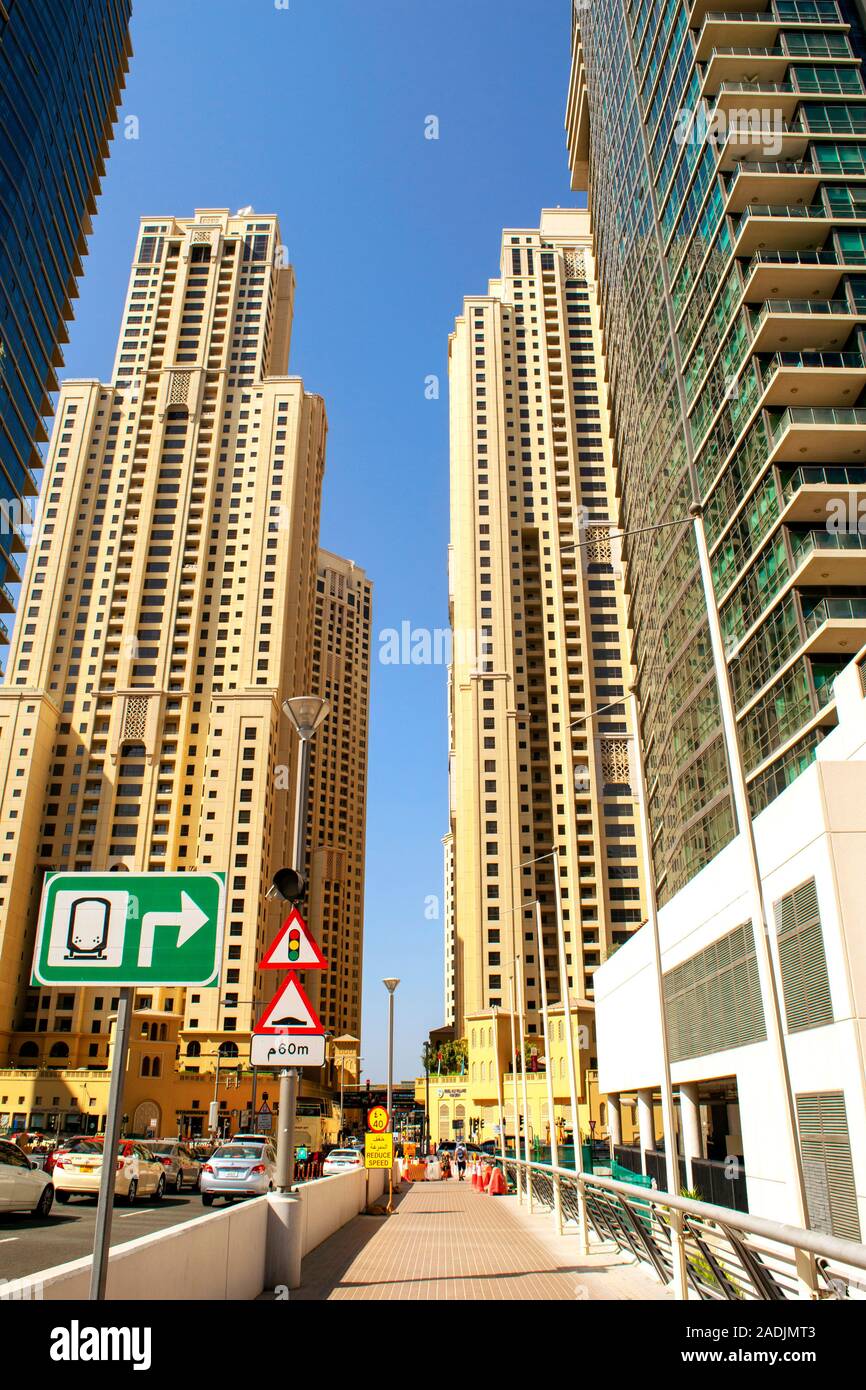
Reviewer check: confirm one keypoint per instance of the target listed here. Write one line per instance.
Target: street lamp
(307, 714)
(390, 985)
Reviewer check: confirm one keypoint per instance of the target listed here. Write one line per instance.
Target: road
(28, 1244)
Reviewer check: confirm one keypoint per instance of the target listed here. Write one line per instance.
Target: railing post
(807, 1273)
(582, 1220)
(557, 1204)
(680, 1280)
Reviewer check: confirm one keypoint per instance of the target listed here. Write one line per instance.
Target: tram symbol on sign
(88, 929)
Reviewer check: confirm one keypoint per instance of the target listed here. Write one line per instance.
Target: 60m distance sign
(130, 929)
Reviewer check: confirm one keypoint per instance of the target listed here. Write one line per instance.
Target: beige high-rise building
(336, 827)
(166, 611)
(539, 624)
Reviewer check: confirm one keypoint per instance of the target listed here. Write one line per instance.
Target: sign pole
(286, 1132)
(104, 1210)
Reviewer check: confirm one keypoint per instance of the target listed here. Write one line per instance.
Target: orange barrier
(485, 1177)
(498, 1186)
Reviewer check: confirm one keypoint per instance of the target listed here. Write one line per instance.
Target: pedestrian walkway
(447, 1241)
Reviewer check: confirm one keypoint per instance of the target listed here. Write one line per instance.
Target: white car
(78, 1171)
(243, 1168)
(23, 1186)
(342, 1161)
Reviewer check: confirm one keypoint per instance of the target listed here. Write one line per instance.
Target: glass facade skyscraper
(724, 154)
(62, 68)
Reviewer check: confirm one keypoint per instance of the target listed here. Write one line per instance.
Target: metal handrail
(728, 1254)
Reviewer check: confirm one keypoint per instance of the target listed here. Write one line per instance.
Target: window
(826, 1150)
(802, 961)
(713, 1000)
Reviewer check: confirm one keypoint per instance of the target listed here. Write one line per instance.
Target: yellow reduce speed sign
(377, 1120)
(378, 1150)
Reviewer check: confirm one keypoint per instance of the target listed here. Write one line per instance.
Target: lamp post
(307, 713)
(390, 986)
(769, 989)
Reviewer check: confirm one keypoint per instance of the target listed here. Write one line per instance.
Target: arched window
(193, 1049)
(154, 1032)
(228, 1049)
(163, 1032)
(145, 1066)
(155, 1069)
(59, 1049)
(28, 1049)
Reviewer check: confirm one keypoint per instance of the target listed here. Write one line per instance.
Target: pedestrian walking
(460, 1159)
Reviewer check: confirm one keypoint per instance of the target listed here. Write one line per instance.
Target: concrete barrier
(218, 1257)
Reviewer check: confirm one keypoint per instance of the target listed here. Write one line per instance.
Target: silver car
(181, 1168)
(240, 1169)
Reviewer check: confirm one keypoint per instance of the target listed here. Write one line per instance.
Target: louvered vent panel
(803, 963)
(826, 1149)
(713, 1000)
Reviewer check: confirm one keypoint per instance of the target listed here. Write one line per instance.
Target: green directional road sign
(130, 929)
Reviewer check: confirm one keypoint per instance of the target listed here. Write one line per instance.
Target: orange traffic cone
(485, 1177)
(475, 1176)
(498, 1186)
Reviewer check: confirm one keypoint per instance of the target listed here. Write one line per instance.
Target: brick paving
(447, 1241)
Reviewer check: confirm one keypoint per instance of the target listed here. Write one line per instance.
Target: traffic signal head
(287, 884)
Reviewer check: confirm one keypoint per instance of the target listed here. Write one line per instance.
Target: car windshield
(344, 1155)
(239, 1151)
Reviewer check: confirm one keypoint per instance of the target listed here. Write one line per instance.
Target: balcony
(781, 181)
(755, 28)
(816, 324)
(701, 9)
(725, 64)
(814, 494)
(822, 378)
(834, 626)
(785, 227)
(820, 434)
(758, 96)
(827, 557)
(792, 275)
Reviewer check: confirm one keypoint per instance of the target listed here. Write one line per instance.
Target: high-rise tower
(166, 612)
(724, 157)
(540, 736)
(62, 70)
(338, 787)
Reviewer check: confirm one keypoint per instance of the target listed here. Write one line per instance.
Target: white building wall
(815, 829)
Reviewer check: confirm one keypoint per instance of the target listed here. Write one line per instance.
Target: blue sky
(317, 112)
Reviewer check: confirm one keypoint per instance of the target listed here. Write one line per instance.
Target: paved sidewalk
(447, 1241)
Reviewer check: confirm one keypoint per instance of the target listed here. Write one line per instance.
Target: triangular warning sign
(294, 948)
(290, 1011)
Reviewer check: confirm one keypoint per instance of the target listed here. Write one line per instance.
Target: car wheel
(207, 1199)
(132, 1193)
(62, 1197)
(160, 1189)
(46, 1201)
(178, 1183)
